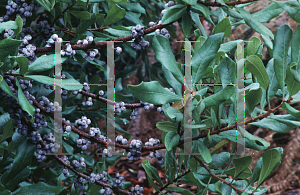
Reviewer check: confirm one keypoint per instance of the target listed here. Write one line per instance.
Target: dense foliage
(29, 163)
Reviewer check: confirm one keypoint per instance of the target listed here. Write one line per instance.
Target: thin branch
(8, 73)
(232, 3)
(101, 44)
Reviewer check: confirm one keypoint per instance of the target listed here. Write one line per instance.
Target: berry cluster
(8, 32)
(45, 29)
(27, 49)
(35, 137)
(66, 172)
(50, 147)
(52, 40)
(97, 177)
(40, 153)
(167, 5)
(57, 107)
(90, 55)
(68, 51)
(88, 102)
(39, 120)
(96, 133)
(120, 107)
(65, 159)
(137, 34)
(83, 143)
(44, 101)
(135, 149)
(164, 32)
(159, 156)
(82, 123)
(78, 182)
(106, 191)
(135, 112)
(49, 86)
(107, 152)
(79, 164)
(137, 189)
(26, 31)
(117, 182)
(121, 140)
(147, 105)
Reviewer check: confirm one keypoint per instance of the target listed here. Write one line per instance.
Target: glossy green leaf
(8, 24)
(241, 164)
(18, 30)
(293, 86)
(291, 110)
(243, 175)
(133, 7)
(173, 13)
(46, 4)
(82, 15)
(149, 175)
(8, 131)
(173, 114)
(114, 14)
(199, 43)
(224, 26)
(253, 98)
(41, 188)
(274, 125)
(8, 46)
(283, 37)
(85, 24)
(22, 62)
(295, 48)
(171, 140)
(166, 126)
(41, 64)
(153, 92)
(25, 105)
(190, 2)
(186, 24)
(254, 24)
(218, 160)
(254, 65)
(269, 160)
(164, 55)
(227, 70)
(292, 8)
(253, 46)
(203, 57)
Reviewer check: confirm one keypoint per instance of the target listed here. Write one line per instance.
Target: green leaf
(254, 65)
(224, 26)
(190, 2)
(254, 24)
(153, 92)
(253, 98)
(171, 140)
(22, 159)
(274, 125)
(134, 7)
(173, 13)
(199, 43)
(4, 86)
(186, 24)
(197, 21)
(205, 154)
(18, 31)
(46, 4)
(253, 46)
(164, 55)
(241, 164)
(8, 131)
(41, 188)
(205, 55)
(149, 175)
(292, 8)
(173, 114)
(118, 1)
(283, 37)
(82, 15)
(227, 70)
(167, 126)
(256, 171)
(243, 175)
(8, 46)
(22, 62)
(25, 105)
(218, 160)
(295, 48)
(8, 24)
(85, 24)
(292, 85)
(42, 63)
(177, 86)
(114, 14)
(291, 110)
(269, 160)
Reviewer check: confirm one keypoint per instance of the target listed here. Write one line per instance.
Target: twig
(232, 3)
(101, 44)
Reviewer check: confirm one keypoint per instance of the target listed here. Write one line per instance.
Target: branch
(232, 3)
(85, 135)
(178, 177)
(101, 44)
